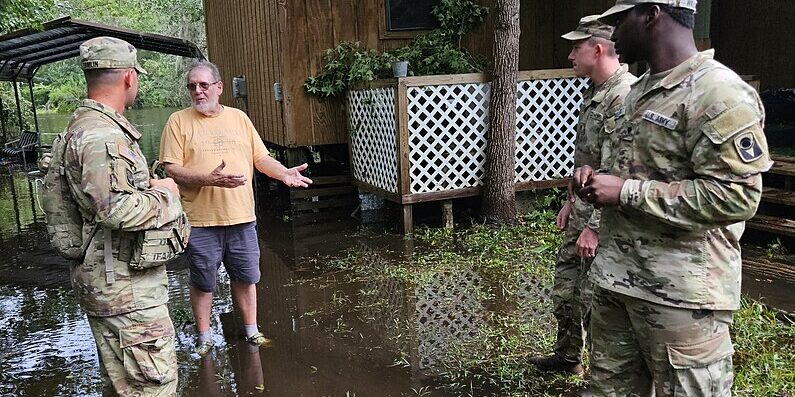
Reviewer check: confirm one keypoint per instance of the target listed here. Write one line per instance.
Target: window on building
(410, 14)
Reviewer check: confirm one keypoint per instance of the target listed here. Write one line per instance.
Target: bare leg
(245, 295)
(201, 302)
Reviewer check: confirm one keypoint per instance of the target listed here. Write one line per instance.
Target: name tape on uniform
(661, 120)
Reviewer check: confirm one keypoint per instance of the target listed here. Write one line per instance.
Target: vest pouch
(155, 247)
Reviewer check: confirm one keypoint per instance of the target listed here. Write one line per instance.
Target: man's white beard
(207, 107)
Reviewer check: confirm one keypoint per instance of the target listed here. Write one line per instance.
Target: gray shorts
(235, 246)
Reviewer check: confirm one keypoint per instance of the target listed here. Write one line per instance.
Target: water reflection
(149, 122)
(332, 335)
(18, 206)
(46, 347)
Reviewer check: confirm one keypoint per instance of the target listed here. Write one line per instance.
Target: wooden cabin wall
(756, 38)
(243, 39)
(542, 22)
(312, 26)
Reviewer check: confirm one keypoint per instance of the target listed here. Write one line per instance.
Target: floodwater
(331, 337)
(149, 122)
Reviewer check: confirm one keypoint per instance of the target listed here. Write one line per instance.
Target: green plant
(775, 249)
(436, 52)
(346, 64)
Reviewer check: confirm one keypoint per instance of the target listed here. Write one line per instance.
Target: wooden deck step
(772, 224)
(328, 198)
(782, 158)
(778, 196)
(783, 167)
(768, 267)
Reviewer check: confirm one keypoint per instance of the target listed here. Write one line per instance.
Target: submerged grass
(489, 294)
(764, 358)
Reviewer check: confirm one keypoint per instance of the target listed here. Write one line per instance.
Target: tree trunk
(499, 199)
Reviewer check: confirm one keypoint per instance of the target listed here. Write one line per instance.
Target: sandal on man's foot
(258, 339)
(204, 347)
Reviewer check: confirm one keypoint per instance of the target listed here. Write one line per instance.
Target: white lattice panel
(447, 136)
(546, 126)
(372, 129)
(448, 126)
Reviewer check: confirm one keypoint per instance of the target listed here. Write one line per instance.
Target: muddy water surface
(332, 336)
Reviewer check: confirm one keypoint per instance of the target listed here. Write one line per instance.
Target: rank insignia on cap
(747, 147)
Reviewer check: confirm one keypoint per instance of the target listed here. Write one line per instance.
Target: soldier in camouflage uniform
(684, 179)
(592, 55)
(109, 179)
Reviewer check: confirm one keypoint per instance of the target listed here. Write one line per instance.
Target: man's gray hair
(206, 65)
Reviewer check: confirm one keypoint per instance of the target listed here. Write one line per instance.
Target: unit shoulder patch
(747, 147)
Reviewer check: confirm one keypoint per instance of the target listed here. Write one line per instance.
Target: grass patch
(764, 358)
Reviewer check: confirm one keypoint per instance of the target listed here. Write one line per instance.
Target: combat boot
(555, 363)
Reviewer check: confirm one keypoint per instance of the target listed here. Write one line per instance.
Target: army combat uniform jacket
(109, 180)
(691, 148)
(596, 124)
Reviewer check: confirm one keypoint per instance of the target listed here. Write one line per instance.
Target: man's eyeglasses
(203, 85)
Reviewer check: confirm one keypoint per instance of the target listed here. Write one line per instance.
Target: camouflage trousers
(642, 348)
(571, 296)
(136, 352)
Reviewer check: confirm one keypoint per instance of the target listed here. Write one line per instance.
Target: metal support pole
(3, 120)
(19, 117)
(33, 105)
(19, 106)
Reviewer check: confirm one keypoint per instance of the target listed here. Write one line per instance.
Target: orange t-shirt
(199, 143)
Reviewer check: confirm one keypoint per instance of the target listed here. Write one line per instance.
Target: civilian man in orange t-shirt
(210, 150)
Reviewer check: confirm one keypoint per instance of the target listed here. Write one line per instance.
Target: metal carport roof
(24, 51)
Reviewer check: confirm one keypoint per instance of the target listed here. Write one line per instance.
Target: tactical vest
(64, 221)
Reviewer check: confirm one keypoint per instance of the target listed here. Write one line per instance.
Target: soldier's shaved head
(609, 46)
(103, 77)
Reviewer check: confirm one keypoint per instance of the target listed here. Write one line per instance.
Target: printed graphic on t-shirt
(218, 142)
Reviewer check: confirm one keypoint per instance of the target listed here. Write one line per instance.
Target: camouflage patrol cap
(625, 5)
(109, 53)
(590, 26)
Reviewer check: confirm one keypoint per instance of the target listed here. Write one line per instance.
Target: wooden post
(402, 146)
(447, 214)
(408, 219)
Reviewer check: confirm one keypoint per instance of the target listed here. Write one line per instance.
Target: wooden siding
(243, 39)
(283, 41)
(756, 39)
(542, 24)
(310, 27)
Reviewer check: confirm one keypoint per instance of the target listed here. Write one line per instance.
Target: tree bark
(499, 198)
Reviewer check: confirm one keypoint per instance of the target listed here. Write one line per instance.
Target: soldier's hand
(562, 221)
(167, 183)
(587, 243)
(581, 177)
(221, 179)
(602, 190)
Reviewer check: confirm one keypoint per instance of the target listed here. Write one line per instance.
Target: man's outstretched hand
(221, 179)
(292, 177)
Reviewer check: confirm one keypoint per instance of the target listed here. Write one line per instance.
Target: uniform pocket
(702, 368)
(122, 178)
(148, 349)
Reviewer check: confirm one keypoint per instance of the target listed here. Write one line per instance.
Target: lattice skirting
(447, 128)
(372, 129)
(448, 125)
